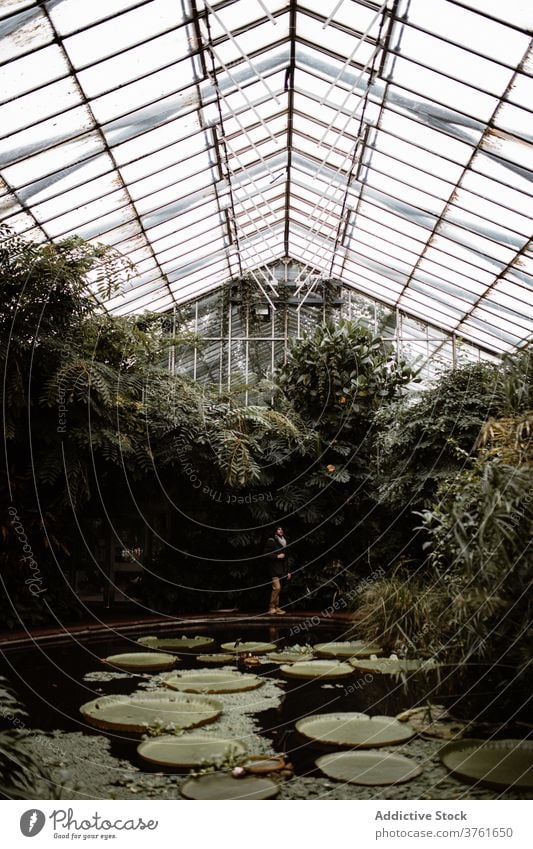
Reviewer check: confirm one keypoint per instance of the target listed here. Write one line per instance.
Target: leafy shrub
(402, 613)
(421, 441)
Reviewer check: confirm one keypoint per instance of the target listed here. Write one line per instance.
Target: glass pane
(21, 33)
(118, 34)
(32, 71)
(29, 109)
(454, 61)
(78, 197)
(353, 48)
(69, 154)
(443, 90)
(70, 15)
(54, 131)
(515, 12)
(239, 15)
(158, 140)
(139, 61)
(470, 29)
(79, 175)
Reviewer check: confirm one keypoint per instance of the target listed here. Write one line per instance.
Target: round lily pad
(223, 786)
(188, 751)
(184, 644)
(144, 661)
(218, 657)
(323, 670)
(370, 768)
(212, 681)
(495, 763)
(263, 764)
(349, 648)
(354, 730)
(433, 721)
(225, 610)
(141, 711)
(392, 666)
(249, 648)
(289, 656)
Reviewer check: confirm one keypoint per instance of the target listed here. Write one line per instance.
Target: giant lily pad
(142, 661)
(392, 666)
(264, 764)
(184, 644)
(212, 681)
(141, 711)
(350, 648)
(370, 768)
(354, 730)
(218, 657)
(223, 786)
(433, 721)
(496, 763)
(188, 751)
(324, 670)
(288, 656)
(248, 648)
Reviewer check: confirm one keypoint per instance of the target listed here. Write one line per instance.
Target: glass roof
(385, 144)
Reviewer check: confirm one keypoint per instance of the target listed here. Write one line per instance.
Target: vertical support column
(427, 351)
(398, 321)
(272, 338)
(173, 348)
(286, 313)
(285, 334)
(195, 353)
(246, 352)
(222, 337)
(229, 343)
(454, 351)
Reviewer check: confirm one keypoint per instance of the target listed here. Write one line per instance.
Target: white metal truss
(383, 143)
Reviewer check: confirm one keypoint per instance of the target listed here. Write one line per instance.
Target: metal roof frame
(373, 141)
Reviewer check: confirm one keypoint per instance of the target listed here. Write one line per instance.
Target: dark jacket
(278, 568)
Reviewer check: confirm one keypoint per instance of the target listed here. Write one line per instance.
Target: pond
(55, 679)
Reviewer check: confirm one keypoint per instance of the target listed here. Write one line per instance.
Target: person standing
(278, 563)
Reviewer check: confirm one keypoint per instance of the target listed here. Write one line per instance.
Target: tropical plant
(336, 377)
(22, 775)
(479, 544)
(420, 441)
(334, 380)
(515, 384)
(73, 400)
(403, 612)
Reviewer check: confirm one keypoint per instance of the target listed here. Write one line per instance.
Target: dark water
(49, 681)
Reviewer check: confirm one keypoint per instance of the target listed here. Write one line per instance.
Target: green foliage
(469, 601)
(74, 407)
(22, 775)
(336, 380)
(515, 385)
(479, 542)
(340, 453)
(339, 375)
(421, 441)
(403, 612)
